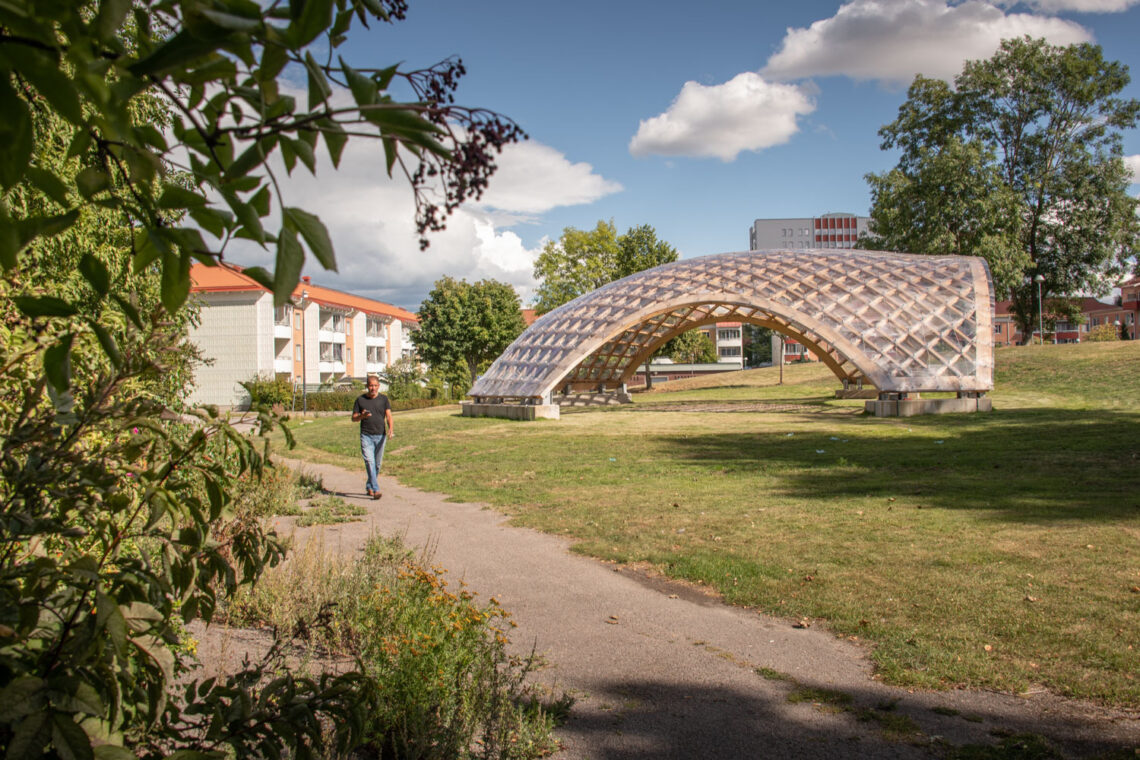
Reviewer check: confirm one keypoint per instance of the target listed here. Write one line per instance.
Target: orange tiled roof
(229, 278)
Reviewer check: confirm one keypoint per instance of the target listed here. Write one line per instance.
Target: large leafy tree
(692, 347)
(582, 261)
(469, 324)
(1019, 162)
(136, 137)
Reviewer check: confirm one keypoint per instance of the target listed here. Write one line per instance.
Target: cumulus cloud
(533, 178)
(1133, 164)
(892, 40)
(371, 220)
(1078, 6)
(745, 113)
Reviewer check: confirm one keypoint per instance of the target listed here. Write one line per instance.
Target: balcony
(283, 365)
(334, 367)
(330, 336)
(374, 340)
(282, 332)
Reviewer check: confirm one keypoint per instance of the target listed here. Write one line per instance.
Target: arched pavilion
(900, 323)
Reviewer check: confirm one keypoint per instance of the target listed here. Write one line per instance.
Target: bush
(268, 391)
(442, 684)
(1102, 333)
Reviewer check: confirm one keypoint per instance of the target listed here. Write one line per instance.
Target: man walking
(374, 414)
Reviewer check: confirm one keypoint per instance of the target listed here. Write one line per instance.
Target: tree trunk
(648, 376)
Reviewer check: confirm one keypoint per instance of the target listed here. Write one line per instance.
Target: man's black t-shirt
(375, 424)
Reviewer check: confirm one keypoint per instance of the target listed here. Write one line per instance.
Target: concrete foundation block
(917, 406)
(511, 411)
(614, 398)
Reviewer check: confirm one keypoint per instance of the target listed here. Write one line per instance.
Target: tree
(757, 345)
(692, 347)
(467, 323)
(136, 137)
(1020, 163)
(583, 261)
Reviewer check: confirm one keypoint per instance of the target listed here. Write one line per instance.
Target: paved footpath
(663, 671)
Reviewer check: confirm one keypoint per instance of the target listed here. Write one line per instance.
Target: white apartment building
(321, 336)
(834, 230)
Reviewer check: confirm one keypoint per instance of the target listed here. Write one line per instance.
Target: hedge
(342, 401)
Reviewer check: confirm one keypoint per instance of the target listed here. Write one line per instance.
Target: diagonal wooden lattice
(899, 322)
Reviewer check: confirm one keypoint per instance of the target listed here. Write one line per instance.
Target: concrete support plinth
(511, 411)
(611, 398)
(916, 406)
(857, 393)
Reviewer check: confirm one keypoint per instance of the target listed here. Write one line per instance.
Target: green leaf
(154, 648)
(96, 274)
(252, 156)
(247, 216)
(16, 135)
(319, 89)
(288, 155)
(57, 88)
(108, 344)
(92, 181)
(304, 151)
(287, 271)
(24, 695)
(364, 90)
(9, 240)
(129, 309)
(260, 275)
(315, 18)
(57, 364)
(177, 53)
(113, 752)
(213, 220)
(175, 279)
(109, 617)
(233, 22)
(175, 196)
(110, 18)
(51, 185)
(45, 226)
(70, 740)
(30, 736)
(148, 246)
(314, 232)
(335, 139)
(80, 142)
(45, 306)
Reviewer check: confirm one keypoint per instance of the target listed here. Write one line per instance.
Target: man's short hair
(370, 378)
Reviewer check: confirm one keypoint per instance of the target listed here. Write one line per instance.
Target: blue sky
(694, 118)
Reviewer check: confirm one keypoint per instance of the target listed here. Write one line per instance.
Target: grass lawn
(996, 550)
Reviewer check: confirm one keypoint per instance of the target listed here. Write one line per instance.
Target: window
(332, 352)
(297, 319)
(300, 356)
(997, 328)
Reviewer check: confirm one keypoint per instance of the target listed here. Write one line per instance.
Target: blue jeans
(372, 449)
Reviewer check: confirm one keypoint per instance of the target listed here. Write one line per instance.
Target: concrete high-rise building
(838, 230)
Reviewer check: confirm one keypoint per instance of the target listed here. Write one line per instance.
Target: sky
(694, 118)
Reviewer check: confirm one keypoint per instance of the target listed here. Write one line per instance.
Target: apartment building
(833, 230)
(1123, 313)
(321, 336)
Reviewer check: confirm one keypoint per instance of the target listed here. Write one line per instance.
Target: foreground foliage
(138, 136)
(441, 681)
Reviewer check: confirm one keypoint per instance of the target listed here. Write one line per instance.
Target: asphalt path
(663, 670)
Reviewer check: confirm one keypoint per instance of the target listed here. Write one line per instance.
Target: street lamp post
(1118, 328)
(304, 358)
(1040, 312)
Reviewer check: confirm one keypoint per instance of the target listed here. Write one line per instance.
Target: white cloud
(1133, 164)
(1078, 6)
(892, 40)
(744, 113)
(532, 178)
(371, 220)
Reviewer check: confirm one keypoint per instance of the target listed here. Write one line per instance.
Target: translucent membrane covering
(898, 322)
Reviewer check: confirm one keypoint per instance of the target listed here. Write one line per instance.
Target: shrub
(1102, 333)
(268, 391)
(442, 684)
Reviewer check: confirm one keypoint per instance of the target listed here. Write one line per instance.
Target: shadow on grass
(634, 720)
(1026, 465)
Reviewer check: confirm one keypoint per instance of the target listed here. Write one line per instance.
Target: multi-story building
(1122, 313)
(321, 336)
(836, 230)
